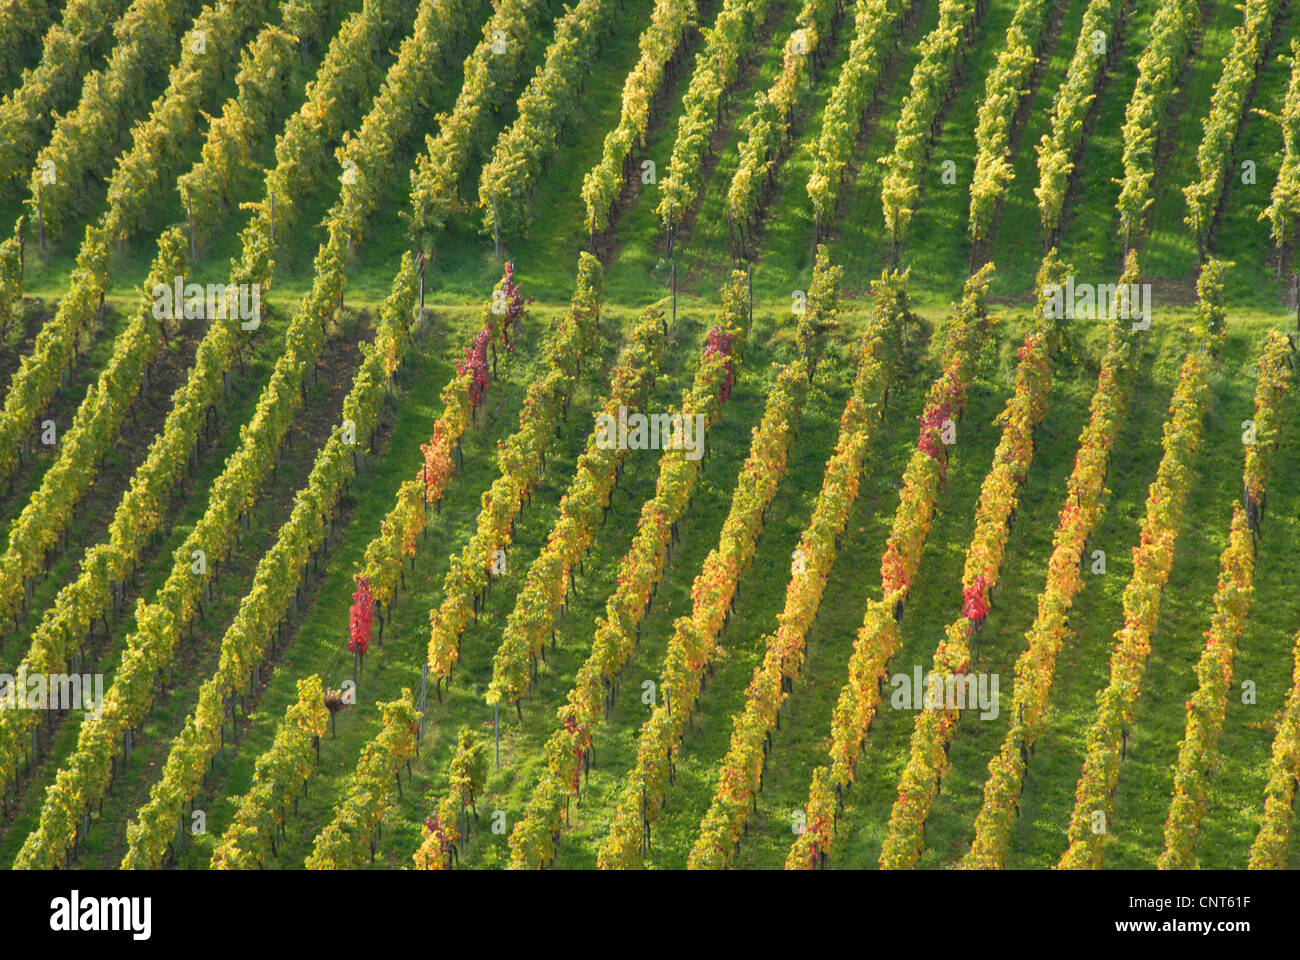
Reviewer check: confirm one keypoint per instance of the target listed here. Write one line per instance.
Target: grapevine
(741, 771)
(878, 638)
(1152, 561)
(1232, 599)
(1085, 494)
(618, 630)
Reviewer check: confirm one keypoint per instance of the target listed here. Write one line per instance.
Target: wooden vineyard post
(424, 697)
(674, 293)
(750, 280)
(421, 263)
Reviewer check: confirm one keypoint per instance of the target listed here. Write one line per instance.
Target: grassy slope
(937, 248)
